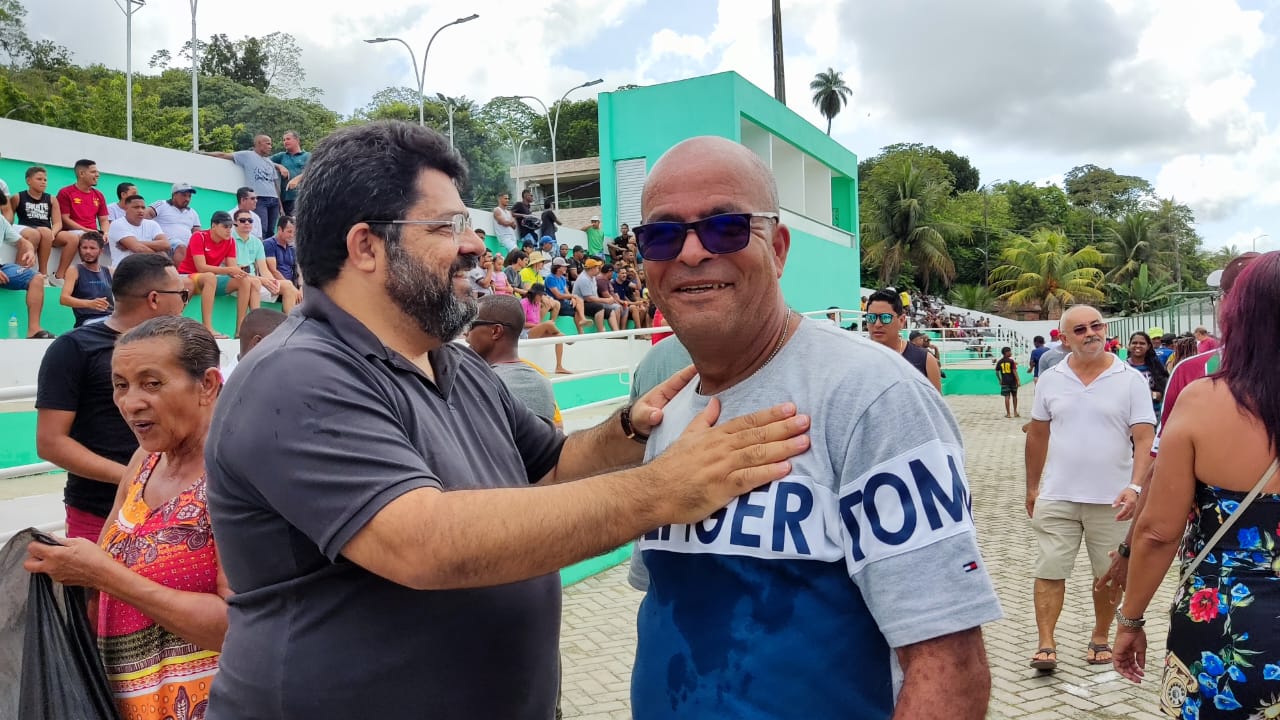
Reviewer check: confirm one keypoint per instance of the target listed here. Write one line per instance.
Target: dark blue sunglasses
(719, 234)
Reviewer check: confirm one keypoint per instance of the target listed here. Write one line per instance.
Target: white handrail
(18, 471)
(18, 392)
(619, 370)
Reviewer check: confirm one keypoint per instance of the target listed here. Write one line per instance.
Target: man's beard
(426, 298)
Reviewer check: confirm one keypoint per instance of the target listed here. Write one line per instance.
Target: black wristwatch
(628, 429)
(1123, 550)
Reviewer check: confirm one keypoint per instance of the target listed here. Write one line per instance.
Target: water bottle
(13, 327)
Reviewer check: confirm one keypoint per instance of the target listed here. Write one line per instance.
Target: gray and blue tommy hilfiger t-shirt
(788, 601)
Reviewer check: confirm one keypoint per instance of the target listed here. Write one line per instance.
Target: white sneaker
(54, 282)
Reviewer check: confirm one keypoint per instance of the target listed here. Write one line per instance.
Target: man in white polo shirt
(1088, 448)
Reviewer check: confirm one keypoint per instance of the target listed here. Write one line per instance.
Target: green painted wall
(645, 122)
(58, 319)
(844, 204)
(205, 201)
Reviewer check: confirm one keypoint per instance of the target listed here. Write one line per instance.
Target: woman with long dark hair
(1143, 359)
(1217, 453)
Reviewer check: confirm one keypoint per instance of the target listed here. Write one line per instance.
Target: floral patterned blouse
(1223, 656)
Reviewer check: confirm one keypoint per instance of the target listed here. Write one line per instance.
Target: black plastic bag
(62, 673)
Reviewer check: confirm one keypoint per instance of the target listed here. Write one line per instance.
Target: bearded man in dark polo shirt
(394, 547)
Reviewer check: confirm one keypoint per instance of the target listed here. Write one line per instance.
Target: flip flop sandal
(1047, 664)
(42, 335)
(1096, 649)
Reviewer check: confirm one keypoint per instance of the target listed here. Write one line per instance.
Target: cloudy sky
(1183, 92)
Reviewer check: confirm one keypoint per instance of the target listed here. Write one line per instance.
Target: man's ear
(364, 248)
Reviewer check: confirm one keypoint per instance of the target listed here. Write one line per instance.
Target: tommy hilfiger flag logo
(970, 566)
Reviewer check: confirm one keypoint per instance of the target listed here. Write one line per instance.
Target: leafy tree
(1104, 192)
(830, 94)
(1032, 207)
(577, 129)
(898, 224)
(962, 175)
(1172, 225)
(974, 297)
(284, 71)
(1043, 273)
(985, 218)
(13, 32)
(1142, 293)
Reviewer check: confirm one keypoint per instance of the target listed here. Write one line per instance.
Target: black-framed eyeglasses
(457, 224)
(184, 294)
(720, 234)
(1095, 326)
(882, 318)
(486, 323)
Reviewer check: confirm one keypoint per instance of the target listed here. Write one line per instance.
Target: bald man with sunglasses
(1087, 451)
(853, 562)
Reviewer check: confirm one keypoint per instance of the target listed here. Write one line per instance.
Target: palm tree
(1142, 293)
(1042, 270)
(830, 94)
(1172, 224)
(900, 228)
(974, 297)
(1130, 246)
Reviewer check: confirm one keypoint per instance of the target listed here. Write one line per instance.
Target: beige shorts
(1059, 525)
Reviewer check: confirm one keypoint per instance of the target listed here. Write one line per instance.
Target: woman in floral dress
(162, 610)
(1223, 658)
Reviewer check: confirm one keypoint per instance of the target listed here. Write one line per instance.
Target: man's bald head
(1078, 315)
(503, 309)
(713, 150)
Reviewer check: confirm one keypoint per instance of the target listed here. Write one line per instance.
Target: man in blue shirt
(1039, 350)
(281, 253)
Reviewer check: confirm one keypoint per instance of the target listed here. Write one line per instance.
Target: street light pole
(448, 103)
(1253, 244)
(420, 74)
(551, 125)
(195, 82)
(128, 8)
(516, 149)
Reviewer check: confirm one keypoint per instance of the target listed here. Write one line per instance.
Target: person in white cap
(177, 218)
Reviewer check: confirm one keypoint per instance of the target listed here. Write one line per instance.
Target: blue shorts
(566, 308)
(19, 277)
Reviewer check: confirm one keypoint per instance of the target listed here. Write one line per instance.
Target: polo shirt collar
(1064, 367)
(353, 333)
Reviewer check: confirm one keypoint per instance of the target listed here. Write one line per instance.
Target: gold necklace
(782, 340)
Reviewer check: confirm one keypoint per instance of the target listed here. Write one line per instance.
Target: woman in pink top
(536, 327)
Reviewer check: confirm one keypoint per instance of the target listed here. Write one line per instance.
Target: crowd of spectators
(601, 285)
(246, 252)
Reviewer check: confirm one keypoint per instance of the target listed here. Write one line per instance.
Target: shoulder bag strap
(1230, 521)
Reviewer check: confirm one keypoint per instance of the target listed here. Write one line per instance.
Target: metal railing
(955, 345)
(1200, 310)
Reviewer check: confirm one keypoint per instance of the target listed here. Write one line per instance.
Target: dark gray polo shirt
(318, 429)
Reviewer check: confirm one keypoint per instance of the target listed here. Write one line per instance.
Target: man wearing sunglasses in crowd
(869, 540)
(1087, 451)
(405, 529)
(78, 426)
(211, 269)
(886, 318)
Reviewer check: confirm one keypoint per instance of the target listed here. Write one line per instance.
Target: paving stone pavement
(598, 635)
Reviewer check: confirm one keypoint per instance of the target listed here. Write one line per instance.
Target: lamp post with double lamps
(420, 74)
(551, 125)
